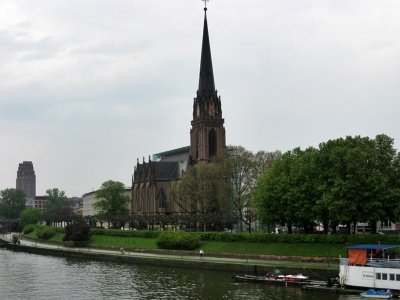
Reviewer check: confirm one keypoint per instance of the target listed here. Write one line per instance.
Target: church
(151, 180)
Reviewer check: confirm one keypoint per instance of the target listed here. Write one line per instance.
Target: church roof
(165, 170)
(206, 80)
(172, 152)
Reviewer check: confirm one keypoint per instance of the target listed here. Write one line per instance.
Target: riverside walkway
(208, 261)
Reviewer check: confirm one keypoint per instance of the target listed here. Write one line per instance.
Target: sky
(89, 86)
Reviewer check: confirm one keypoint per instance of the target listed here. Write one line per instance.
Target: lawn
(287, 249)
(128, 242)
(284, 249)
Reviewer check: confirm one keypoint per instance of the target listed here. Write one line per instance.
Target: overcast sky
(88, 86)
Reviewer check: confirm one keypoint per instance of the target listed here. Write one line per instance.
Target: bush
(15, 239)
(78, 233)
(46, 232)
(178, 241)
(28, 229)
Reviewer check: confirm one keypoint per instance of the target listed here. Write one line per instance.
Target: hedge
(29, 228)
(46, 232)
(300, 238)
(257, 237)
(126, 233)
(178, 240)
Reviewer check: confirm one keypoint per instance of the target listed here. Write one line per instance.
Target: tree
(359, 177)
(264, 160)
(286, 194)
(56, 202)
(345, 181)
(241, 166)
(270, 194)
(204, 190)
(112, 201)
(12, 202)
(29, 216)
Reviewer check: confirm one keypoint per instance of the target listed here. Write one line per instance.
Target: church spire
(207, 135)
(206, 80)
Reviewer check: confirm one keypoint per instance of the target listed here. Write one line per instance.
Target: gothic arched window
(197, 144)
(212, 143)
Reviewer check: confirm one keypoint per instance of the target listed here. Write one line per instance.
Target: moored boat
(298, 279)
(371, 266)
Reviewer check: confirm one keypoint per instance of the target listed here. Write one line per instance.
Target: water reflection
(29, 276)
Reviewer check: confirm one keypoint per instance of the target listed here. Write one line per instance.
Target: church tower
(207, 135)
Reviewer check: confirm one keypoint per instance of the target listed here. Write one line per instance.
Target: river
(31, 276)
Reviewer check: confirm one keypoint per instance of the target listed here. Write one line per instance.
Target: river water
(31, 276)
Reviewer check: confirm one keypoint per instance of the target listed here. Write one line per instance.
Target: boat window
(378, 276)
(384, 276)
(391, 276)
(397, 277)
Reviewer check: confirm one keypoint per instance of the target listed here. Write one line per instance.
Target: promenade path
(188, 258)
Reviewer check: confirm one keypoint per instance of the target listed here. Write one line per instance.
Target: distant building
(151, 180)
(40, 202)
(89, 199)
(26, 181)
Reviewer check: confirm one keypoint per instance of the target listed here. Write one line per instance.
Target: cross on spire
(205, 3)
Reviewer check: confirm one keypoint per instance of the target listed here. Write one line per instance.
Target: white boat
(371, 266)
(380, 294)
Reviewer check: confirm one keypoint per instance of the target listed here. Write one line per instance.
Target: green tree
(112, 201)
(358, 175)
(56, 202)
(303, 189)
(12, 202)
(240, 163)
(271, 194)
(29, 216)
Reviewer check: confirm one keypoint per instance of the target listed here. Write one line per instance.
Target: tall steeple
(207, 136)
(206, 80)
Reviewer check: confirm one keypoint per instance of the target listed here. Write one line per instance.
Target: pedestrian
(201, 252)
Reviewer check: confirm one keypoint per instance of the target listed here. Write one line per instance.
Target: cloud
(89, 86)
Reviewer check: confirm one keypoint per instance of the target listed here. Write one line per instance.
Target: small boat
(294, 278)
(379, 294)
(298, 279)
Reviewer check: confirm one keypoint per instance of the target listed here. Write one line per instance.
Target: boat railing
(384, 263)
(384, 259)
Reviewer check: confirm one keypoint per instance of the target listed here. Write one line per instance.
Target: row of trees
(13, 206)
(344, 181)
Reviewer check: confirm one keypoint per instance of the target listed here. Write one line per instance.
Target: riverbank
(182, 259)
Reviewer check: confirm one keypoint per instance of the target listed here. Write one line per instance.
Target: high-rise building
(26, 181)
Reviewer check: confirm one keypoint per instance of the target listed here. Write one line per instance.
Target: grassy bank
(210, 246)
